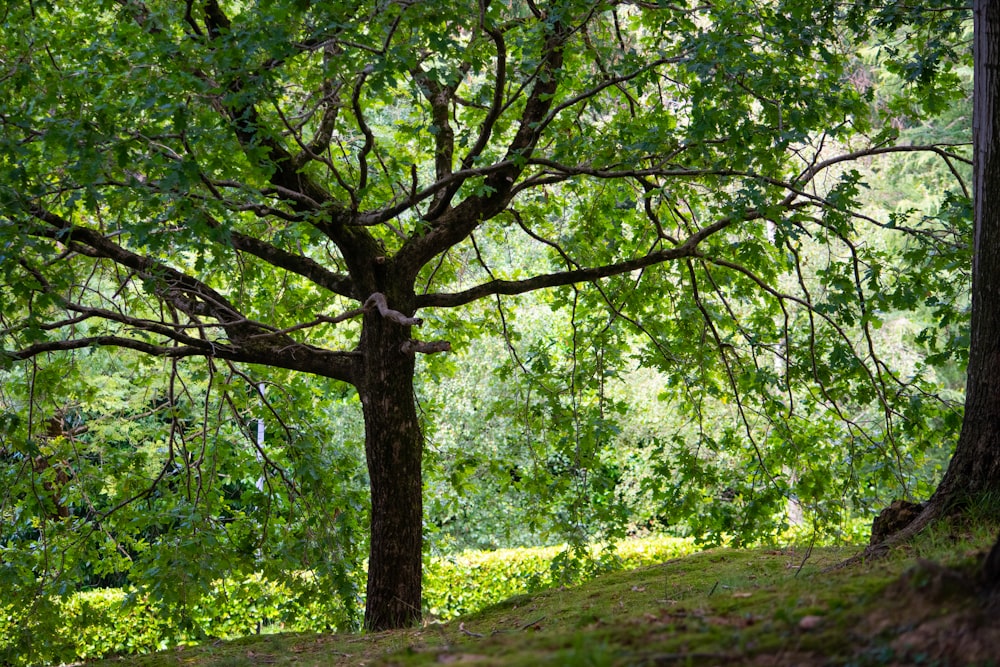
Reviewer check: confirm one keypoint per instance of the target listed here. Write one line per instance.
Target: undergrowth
(765, 606)
(111, 621)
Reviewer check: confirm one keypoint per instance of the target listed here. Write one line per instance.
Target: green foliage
(467, 582)
(732, 412)
(923, 45)
(164, 489)
(693, 185)
(94, 624)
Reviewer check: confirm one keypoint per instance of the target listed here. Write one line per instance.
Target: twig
(809, 551)
(461, 628)
(534, 622)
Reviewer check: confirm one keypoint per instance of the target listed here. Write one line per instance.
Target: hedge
(99, 623)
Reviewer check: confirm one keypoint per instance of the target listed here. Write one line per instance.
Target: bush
(105, 622)
(461, 584)
(84, 625)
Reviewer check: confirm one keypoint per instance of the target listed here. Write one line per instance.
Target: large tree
(288, 183)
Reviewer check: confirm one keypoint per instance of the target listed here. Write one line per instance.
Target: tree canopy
(291, 186)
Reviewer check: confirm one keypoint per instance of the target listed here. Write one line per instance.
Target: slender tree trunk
(975, 466)
(394, 447)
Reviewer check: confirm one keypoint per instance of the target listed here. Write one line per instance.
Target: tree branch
(365, 130)
(413, 346)
(557, 279)
(291, 184)
(338, 365)
(249, 341)
(440, 98)
(457, 223)
(562, 278)
(299, 264)
(377, 302)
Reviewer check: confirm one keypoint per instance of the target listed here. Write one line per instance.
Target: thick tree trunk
(975, 466)
(394, 447)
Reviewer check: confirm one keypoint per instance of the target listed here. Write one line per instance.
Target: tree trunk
(975, 466)
(394, 448)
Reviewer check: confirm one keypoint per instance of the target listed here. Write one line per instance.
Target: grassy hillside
(921, 605)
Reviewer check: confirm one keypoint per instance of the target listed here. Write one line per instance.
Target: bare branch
(377, 301)
(557, 279)
(414, 346)
(363, 126)
(322, 319)
(115, 341)
(338, 365)
(562, 278)
(814, 169)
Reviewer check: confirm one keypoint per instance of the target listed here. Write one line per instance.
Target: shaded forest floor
(921, 605)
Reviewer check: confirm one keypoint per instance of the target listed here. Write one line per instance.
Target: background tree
(286, 185)
(974, 468)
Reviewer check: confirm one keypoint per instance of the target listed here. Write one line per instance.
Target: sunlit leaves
(164, 487)
(150, 147)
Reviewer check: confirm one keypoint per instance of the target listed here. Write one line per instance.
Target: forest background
(799, 374)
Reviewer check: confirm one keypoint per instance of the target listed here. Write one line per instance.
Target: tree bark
(975, 466)
(394, 448)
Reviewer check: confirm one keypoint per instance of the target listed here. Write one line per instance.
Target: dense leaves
(97, 623)
(249, 203)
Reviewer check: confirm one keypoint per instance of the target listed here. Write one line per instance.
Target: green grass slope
(921, 605)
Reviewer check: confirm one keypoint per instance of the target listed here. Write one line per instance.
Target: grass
(780, 606)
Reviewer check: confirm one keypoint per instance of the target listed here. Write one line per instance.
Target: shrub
(105, 622)
(467, 582)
